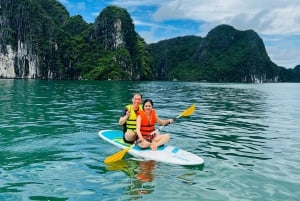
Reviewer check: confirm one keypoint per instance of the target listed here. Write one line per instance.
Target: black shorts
(129, 142)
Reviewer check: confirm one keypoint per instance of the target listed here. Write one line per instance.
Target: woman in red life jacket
(145, 125)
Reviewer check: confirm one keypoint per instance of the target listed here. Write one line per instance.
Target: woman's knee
(130, 135)
(167, 136)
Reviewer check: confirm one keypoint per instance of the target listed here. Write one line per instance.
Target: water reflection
(141, 174)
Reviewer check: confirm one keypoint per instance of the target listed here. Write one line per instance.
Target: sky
(277, 22)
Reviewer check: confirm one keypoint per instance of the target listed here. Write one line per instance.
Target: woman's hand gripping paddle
(119, 155)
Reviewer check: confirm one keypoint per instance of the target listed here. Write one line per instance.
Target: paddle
(119, 155)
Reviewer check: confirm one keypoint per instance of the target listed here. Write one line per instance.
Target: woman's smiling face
(137, 100)
(147, 106)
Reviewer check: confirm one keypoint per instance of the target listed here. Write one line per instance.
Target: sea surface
(248, 135)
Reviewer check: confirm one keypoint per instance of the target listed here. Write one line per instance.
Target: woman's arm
(163, 122)
(124, 116)
(138, 128)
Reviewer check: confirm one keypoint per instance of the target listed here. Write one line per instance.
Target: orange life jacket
(147, 125)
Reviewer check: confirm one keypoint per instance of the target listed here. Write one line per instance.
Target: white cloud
(285, 21)
(135, 3)
(287, 57)
(266, 17)
(80, 6)
(95, 14)
(284, 50)
(143, 23)
(63, 1)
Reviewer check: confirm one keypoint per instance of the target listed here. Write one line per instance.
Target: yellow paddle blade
(188, 111)
(117, 156)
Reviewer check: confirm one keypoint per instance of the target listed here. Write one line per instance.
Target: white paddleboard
(165, 153)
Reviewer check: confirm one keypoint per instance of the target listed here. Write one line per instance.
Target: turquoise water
(248, 135)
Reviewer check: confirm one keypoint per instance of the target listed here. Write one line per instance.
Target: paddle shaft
(161, 127)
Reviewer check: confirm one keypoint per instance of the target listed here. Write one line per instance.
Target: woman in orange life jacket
(145, 125)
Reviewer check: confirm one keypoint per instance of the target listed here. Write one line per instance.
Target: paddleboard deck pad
(164, 153)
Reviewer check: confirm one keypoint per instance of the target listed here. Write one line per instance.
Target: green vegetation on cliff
(224, 55)
(120, 52)
(69, 48)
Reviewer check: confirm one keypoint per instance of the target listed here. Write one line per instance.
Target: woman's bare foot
(153, 146)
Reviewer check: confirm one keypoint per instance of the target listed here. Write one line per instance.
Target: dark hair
(137, 93)
(146, 101)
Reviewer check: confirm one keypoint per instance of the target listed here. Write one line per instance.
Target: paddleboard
(165, 153)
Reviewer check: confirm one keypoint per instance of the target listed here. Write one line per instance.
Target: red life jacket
(147, 125)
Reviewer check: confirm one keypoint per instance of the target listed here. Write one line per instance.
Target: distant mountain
(224, 55)
(290, 75)
(297, 69)
(39, 40)
(173, 58)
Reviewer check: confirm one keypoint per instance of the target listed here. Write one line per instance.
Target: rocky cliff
(125, 55)
(224, 55)
(29, 38)
(39, 40)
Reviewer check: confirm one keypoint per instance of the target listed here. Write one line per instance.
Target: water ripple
(247, 135)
